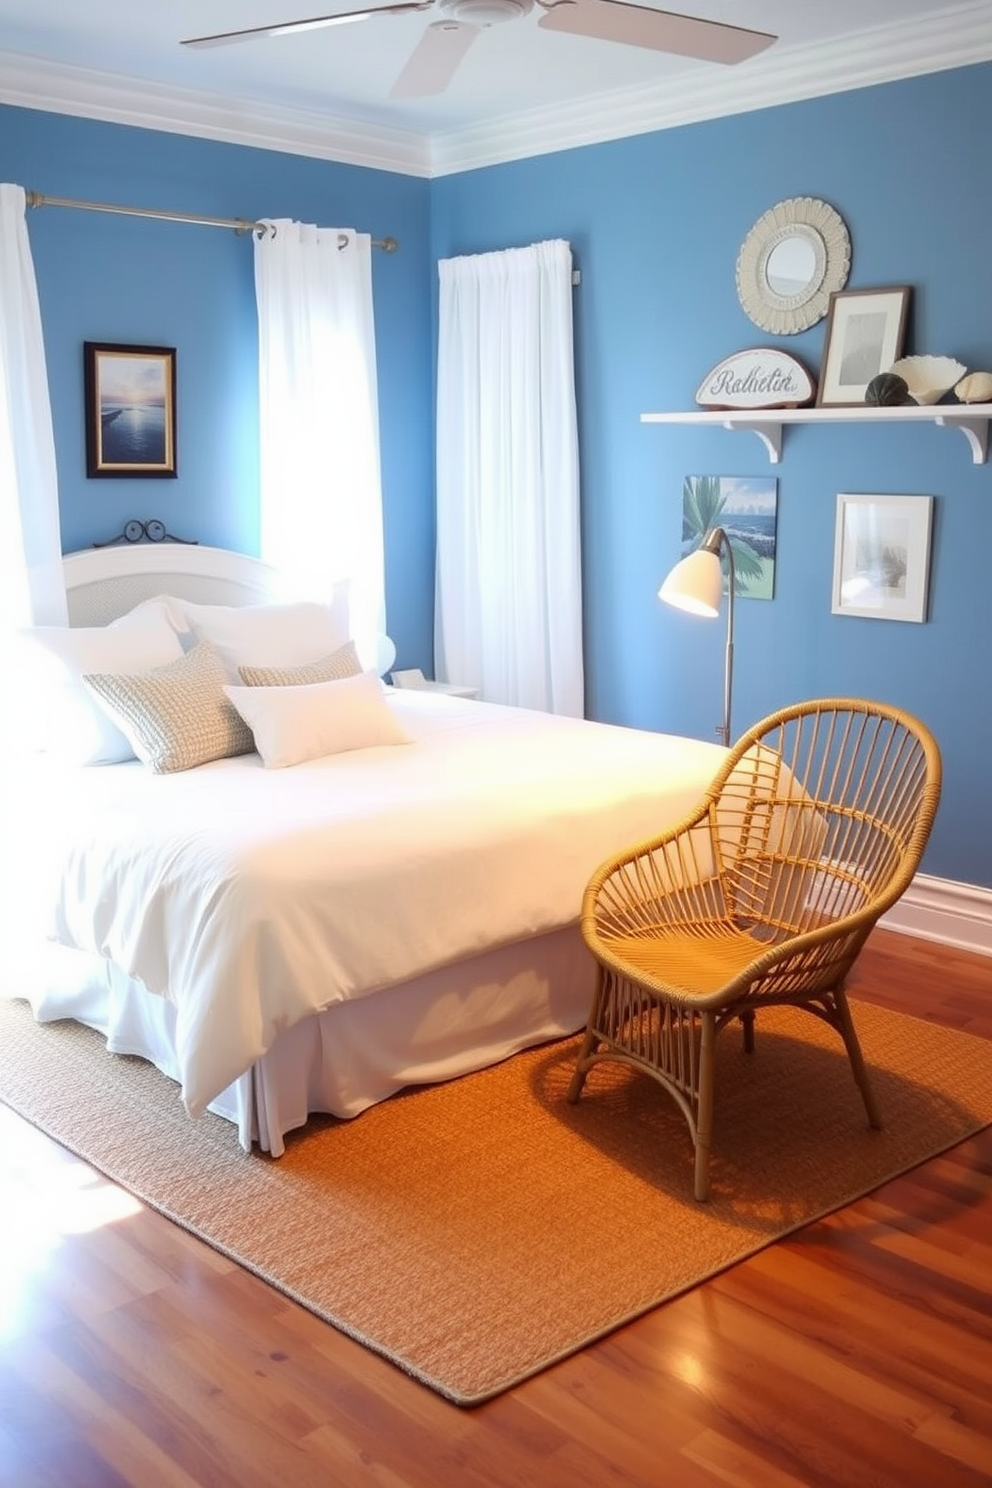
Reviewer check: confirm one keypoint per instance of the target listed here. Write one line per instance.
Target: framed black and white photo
(130, 409)
(882, 556)
(864, 336)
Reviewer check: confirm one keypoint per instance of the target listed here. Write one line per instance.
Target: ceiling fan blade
(434, 60)
(315, 23)
(662, 30)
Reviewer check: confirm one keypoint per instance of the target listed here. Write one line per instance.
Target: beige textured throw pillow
(341, 663)
(176, 716)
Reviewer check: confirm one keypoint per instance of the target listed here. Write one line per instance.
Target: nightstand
(452, 689)
(415, 679)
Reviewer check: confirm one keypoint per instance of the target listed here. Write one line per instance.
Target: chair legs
(686, 1073)
(845, 1025)
(693, 1089)
(581, 1068)
(703, 1135)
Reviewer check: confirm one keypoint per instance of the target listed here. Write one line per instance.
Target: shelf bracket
(769, 434)
(975, 430)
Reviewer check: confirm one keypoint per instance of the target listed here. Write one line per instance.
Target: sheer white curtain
(508, 602)
(32, 589)
(321, 491)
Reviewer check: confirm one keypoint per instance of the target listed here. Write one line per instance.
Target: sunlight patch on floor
(72, 1201)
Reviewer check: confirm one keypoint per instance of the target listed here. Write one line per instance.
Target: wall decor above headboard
(151, 530)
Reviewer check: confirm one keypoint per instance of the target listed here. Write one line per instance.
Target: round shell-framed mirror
(792, 260)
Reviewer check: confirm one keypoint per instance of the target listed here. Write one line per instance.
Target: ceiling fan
(436, 56)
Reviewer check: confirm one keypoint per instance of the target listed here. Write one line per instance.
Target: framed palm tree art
(746, 507)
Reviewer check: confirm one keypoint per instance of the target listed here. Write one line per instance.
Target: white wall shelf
(971, 418)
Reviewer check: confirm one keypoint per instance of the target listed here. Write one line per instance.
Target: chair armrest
(671, 877)
(650, 845)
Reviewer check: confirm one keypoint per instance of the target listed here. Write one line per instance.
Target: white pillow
(278, 635)
(176, 716)
(293, 724)
(166, 606)
(50, 660)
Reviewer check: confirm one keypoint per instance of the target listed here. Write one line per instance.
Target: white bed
(287, 941)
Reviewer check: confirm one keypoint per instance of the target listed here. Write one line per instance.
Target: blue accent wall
(140, 281)
(655, 223)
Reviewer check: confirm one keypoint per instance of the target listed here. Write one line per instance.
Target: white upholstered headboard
(104, 583)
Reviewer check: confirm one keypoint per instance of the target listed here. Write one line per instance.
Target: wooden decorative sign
(762, 377)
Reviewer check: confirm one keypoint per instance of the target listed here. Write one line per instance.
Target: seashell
(975, 388)
(929, 377)
(887, 390)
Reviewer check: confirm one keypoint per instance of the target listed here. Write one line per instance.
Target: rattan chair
(765, 894)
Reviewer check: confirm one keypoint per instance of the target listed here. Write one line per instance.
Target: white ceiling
(519, 91)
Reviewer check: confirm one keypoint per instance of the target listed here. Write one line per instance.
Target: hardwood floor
(858, 1352)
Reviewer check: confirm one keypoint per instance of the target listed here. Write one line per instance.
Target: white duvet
(252, 898)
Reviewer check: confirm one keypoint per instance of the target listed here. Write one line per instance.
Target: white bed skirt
(462, 1018)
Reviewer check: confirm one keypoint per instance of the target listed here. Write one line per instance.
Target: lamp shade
(385, 652)
(695, 584)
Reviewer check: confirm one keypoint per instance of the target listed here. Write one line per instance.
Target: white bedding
(253, 898)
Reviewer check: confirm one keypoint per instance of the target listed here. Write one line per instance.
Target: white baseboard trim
(955, 914)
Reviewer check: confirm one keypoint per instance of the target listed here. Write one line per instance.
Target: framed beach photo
(746, 507)
(882, 556)
(130, 394)
(864, 336)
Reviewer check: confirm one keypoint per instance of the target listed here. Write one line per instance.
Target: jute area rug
(476, 1232)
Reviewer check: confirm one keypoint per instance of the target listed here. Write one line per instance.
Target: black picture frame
(130, 396)
(865, 333)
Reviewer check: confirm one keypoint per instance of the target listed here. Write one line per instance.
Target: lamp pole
(696, 584)
(716, 540)
(728, 682)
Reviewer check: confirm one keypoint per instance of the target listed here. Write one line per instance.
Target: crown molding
(27, 82)
(956, 37)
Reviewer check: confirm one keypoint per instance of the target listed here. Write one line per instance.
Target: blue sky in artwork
(752, 495)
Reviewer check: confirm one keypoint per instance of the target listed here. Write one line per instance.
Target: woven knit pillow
(343, 662)
(176, 716)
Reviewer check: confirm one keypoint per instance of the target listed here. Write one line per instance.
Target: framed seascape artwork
(746, 507)
(130, 396)
(882, 556)
(864, 336)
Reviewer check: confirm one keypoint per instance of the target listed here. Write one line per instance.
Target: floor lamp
(696, 585)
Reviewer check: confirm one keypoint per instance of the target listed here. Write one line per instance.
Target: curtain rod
(237, 224)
